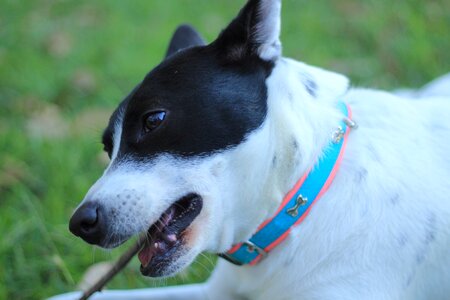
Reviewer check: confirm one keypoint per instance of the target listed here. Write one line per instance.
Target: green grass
(65, 65)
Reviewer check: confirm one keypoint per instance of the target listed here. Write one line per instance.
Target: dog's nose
(87, 223)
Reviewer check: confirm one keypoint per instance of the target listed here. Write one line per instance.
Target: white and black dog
(207, 146)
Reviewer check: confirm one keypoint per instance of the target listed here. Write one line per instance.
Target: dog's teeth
(167, 217)
(156, 245)
(171, 237)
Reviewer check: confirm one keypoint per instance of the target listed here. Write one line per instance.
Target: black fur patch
(213, 96)
(211, 104)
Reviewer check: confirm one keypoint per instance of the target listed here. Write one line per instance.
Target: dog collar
(298, 201)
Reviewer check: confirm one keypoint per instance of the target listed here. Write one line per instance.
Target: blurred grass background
(65, 65)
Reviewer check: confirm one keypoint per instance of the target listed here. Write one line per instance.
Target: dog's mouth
(165, 238)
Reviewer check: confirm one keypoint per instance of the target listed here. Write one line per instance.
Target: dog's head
(190, 147)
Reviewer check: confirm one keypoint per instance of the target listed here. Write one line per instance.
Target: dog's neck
(299, 123)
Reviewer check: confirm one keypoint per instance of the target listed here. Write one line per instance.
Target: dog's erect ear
(255, 31)
(184, 37)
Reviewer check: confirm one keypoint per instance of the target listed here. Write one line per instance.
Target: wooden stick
(123, 260)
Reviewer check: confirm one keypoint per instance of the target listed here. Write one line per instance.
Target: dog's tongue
(147, 253)
(159, 241)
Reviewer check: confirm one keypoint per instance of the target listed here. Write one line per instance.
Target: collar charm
(293, 211)
(298, 202)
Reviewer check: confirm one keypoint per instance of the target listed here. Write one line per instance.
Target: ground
(65, 65)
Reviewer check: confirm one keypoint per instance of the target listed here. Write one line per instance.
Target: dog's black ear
(255, 31)
(184, 37)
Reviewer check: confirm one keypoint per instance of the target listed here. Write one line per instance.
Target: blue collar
(298, 202)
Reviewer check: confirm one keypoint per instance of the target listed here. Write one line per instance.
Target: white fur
(382, 230)
(436, 88)
(268, 30)
(117, 136)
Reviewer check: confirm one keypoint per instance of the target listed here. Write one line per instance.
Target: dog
(219, 140)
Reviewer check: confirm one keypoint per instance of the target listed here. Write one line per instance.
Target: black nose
(88, 224)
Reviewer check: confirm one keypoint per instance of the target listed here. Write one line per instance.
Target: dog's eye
(153, 120)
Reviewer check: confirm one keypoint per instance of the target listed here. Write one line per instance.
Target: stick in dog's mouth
(165, 236)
